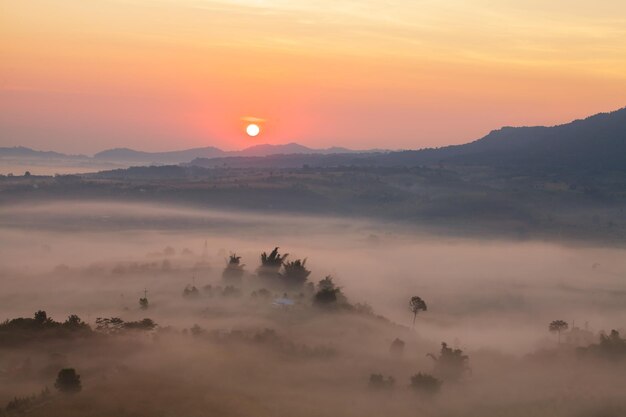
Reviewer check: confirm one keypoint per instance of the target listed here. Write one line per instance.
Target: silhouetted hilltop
(173, 157)
(23, 152)
(597, 143)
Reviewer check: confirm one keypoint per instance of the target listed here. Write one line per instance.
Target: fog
(494, 299)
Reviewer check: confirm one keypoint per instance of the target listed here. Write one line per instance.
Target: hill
(595, 143)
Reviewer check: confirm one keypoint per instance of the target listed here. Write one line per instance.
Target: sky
(81, 76)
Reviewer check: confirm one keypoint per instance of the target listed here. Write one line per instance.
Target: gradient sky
(82, 76)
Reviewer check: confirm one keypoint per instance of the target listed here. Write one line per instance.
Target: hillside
(595, 143)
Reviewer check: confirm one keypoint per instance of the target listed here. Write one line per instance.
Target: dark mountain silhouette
(127, 157)
(176, 157)
(595, 143)
(23, 152)
(289, 148)
(121, 155)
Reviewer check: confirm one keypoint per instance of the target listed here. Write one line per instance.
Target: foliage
(416, 304)
(378, 381)
(327, 294)
(397, 347)
(114, 325)
(274, 259)
(270, 264)
(451, 364)
(75, 322)
(425, 383)
(231, 291)
(234, 269)
(21, 405)
(295, 274)
(68, 381)
(20, 330)
(611, 346)
(191, 291)
(558, 326)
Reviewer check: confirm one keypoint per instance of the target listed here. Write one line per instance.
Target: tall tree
(558, 326)
(416, 304)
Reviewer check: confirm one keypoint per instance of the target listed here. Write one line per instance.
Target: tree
(327, 293)
(451, 364)
(234, 270)
(378, 381)
(191, 291)
(416, 304)
(558, 326)
(68, 381)
(425, 383)
(143, 301)
(41, 317)
(270, 264)
(397, 347)
(109, 325)
(75, 323)
(295, 274)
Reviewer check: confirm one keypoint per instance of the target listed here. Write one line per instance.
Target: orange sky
(82, 76)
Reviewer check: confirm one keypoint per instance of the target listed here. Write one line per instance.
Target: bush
(425, 383)
(378, 381)
(68, 381)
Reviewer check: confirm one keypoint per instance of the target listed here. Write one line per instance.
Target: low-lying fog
(491, 298)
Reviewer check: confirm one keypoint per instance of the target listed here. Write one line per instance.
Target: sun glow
(253, 130)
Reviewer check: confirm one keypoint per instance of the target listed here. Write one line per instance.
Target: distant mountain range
(125, 156)
(595, 143)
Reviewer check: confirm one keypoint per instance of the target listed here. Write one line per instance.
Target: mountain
(288, 149)
(23, 152)
(595, 143)
(125, 155)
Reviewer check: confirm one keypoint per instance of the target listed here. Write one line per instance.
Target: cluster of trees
(114, 325)
(421, 383)
(21, 405)
(67, 382)
(264, 338)
(611, 346)
(22, 329)
(450, 364)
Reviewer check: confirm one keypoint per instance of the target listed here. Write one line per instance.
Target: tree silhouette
(397, 347)
(41, 317)
(451, 364)
(327, 293)
(416, 304)
(378, 381)
(270, 264)
(557, 326)
(425, 383)
(295, 274)
(274, 259)
(143, 302)
(234, 270)
(191, 291)
(75, 323)
(68, 381)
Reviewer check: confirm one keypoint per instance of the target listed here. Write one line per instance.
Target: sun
(253, 129)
